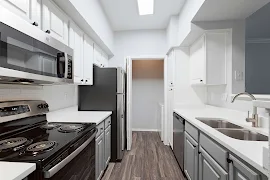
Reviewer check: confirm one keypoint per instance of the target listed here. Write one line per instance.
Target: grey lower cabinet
(239, 171)
(100, 165)
(205, 159)
(191, 158)
(103, 147)
(209, 168)
(107, 145)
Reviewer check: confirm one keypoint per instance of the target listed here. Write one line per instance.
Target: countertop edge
(31, 167)
(103, 119)
(26, 173)
(226, 145)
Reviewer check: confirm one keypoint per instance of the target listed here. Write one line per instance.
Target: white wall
(93, 13)
(172, 32)
(147, 93)
(58, 96)
(137, 43)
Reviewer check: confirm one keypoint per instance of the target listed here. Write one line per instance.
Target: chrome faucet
(255, 118)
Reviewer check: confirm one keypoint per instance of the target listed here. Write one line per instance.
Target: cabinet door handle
(48, 31)
(229, 160)
(82, 80)
(201, 80)
(35, 23)
(86, 80)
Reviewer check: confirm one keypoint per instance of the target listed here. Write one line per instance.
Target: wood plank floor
(149, 159)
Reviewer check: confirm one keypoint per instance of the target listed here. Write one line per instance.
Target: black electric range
(56, 148)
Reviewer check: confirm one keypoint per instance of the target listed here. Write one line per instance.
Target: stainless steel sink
(243, 134)
(216, 123)
(233, 130)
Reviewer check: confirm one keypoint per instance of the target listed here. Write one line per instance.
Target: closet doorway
(145, 95)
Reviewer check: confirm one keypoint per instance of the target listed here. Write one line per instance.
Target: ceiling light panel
(146, 7)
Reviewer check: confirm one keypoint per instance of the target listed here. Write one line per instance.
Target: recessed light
(146, 7)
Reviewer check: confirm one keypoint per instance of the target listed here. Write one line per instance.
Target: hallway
(149, 159)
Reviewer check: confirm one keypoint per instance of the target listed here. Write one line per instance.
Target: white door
(36, 13)
(55, 22)
(129, 102)
(76, 43)
(19, 7)
(88, 60)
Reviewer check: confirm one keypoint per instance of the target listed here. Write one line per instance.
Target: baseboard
(145, 130)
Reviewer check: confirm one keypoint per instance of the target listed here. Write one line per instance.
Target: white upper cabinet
(30, 10)
(88, 60)
(54, 21)
(19, 7)
(105, 60)
(97, 56)
(100, 58)
(76, 43)
(208, 59)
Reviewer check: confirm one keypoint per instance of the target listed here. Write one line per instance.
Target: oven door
(78, 165)
(29, 53)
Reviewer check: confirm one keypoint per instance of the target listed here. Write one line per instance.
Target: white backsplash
(57, 96)
(219, 96)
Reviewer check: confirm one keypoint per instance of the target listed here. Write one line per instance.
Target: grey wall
(147, 92)
(258, 68)
(257, 25)
(257, 54)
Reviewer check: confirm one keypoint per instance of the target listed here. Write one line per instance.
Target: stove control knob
(40, 106)
(46, 105)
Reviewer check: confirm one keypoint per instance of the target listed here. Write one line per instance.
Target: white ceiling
(124, 15)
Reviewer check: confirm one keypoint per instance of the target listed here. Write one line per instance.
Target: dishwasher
(178, 139)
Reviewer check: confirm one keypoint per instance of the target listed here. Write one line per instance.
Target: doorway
(145, 94)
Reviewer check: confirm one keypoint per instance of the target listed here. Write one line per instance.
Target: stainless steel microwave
(28, 55)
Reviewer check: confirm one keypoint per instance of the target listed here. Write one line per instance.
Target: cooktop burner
(12, 143)
(50, 126)
(40, 147)
(70, 128)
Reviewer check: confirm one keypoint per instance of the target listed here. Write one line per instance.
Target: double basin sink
(233, 130)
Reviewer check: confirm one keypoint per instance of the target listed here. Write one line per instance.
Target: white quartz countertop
(72, 114)
(15, 171)
(249, 151)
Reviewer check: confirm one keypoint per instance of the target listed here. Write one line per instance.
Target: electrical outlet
(224, 97)
(66, 95)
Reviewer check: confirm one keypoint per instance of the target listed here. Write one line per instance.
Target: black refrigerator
(108, 94)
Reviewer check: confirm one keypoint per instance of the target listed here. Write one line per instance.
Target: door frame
(128, 61)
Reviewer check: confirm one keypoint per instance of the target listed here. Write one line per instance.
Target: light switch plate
(239, 75)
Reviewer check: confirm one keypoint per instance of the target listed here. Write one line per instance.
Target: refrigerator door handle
(123, 132)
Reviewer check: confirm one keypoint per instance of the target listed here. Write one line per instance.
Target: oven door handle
(59, 166)
(66, 66)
